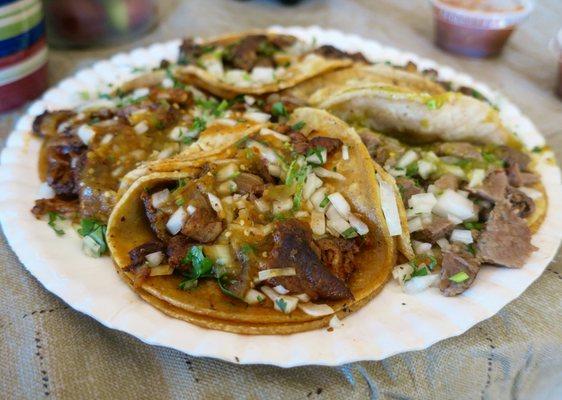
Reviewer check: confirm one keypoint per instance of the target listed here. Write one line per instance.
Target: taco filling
(264, 223)
(467, 205)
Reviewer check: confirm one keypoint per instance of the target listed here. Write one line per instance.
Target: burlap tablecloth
(49, 350)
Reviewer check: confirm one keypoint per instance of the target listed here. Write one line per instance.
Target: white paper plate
(392, 323)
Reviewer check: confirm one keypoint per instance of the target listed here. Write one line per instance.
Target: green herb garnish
(420, 272)
(199, 125)
(278, 110)
(349, 233)
(298, 126)
(223, 281)
(459, 277)
(202, 265)
(95, 231)
(474, 225)
(431, 104)
(281, 303)
(247, 248)
(53, 218)
(324, 202)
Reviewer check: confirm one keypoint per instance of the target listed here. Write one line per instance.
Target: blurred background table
(48, 350)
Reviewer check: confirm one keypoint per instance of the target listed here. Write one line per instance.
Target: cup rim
(515, 16)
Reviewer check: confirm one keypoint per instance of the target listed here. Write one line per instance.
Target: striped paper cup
(23, 52)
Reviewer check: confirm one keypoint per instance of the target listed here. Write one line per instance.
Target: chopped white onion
(272, 273)
(358, 225)
(534, 194)
(443, 243)
(160, 198)
(281, 289)
(462, 235)
(312, 183)
(335, 322)
(45, 191)
(215, 203)
(141, 127)
(390, 208)
(86, 133)
(345, 152)
(90, 247)
(422, 203)
(265, 151)
(335, 221)
(140, 92)
(106, 139)
(396, 172)
(277, 135)
(340, 204)
(425, 168)
(454, 169)
(167, 83)
(227, 187)
(463, 193)
(254, 297)
(455, 204)
(316, 310)
(191, 209)
(325, 173)
(317, 223)
(409, 157)
(402, 271)
(318, 157)
(476, 177)
(258, 117)
(249, 100)
(421, 247)
(215, 67)
(227, 172)
(263, 74)
(454, 219)
(415, 224)
(275, 170)
(282, 205)
(176, 221)
(317, 198)
(289, 302)
(225, 121)
(154, 259)
(303, 297)
(420, 283)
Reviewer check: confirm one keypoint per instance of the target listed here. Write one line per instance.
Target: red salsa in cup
(477, 28)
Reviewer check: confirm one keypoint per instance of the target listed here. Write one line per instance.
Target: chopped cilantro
(260, 298)
(425, 260)
(53, 218)
(180, 202)
(199, 125)
(202, 265)
(318, 153)
(459, 277)
(471, 249)
(431, 104)
(420, 272)
(474, 225)
(281, 303)
(138, 69)
(349, 233)
(181, 183)
(95, 231)
(106, 96)
(278, 110)
(221, 108)
(247, 248)
(412, 170)
(298, 126)
(324, 202)
(84, 95)
(188, 283)
(223, 282)
(267, 49)
(537, 149)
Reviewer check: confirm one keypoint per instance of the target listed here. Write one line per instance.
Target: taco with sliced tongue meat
(277, 234)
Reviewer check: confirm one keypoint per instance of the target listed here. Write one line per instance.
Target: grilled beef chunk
(517, 178)
(459, 149)
(46, 125)
(248, 53)
(493, 188)
(290, 103)
(512, 156)
(371, 141)
(63, 155)
(203, 225)
(65, 208)
(260, 168)
(330, 144)
(506, 240)
(337, 254)
(300, 142)
(96, 203)
(293, 248)
(328, 51)
(521, 204)
(139, 253)
(178, 247)
(190, 52)
(384, 150)
(457, 260)
(156, 218)
(407, 188)
(247, 183)
(447, 181)
(437, 229)
(171, 95)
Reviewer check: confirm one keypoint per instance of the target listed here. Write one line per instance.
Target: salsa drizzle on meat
(265, 222)
(466, 206)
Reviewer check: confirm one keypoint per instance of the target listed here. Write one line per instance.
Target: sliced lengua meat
(459, 149)
(293, 249)
(506, 240)
(517, 178)
(447, 181)
(330, 144)
(247, 183)
(513, 156)
(493, 188)
(139, 253)
(456, 263)
(521, 204)
(65, 208)
(203, 224)
(177, 249)
(329, 51)
(438, 228)
(407, 188)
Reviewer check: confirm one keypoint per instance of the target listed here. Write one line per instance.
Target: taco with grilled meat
(282, 231)
(466, 205)
(256, 63)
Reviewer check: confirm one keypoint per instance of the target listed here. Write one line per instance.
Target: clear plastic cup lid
(484, 18)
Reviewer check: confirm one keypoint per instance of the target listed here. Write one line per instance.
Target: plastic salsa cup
(477, 28)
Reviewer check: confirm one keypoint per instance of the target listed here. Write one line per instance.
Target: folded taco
(466, 205)
(255, 63)
(280, 233)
